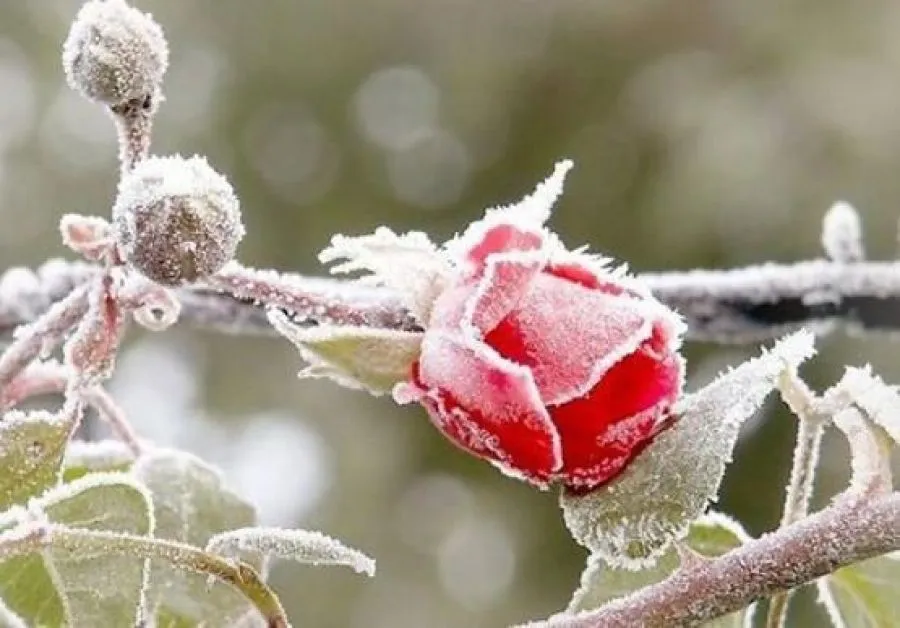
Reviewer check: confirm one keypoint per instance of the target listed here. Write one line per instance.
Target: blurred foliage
(709, 133)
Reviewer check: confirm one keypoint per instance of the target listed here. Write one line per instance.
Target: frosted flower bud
(115, 53)
(176, 220)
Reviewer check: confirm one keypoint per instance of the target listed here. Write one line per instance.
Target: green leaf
(83, 457)
(632, 520)
(865, 595)
(712, 535)
(357, 357)
(86, 588)
(31, 453)
(191, 505)
(303, 546)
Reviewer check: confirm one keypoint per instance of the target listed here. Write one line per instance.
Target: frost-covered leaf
(31, 453)
(301, 545)
(880, 402)
(865, 595)
(630, 521)
(712, 535)
(356, 357)
(408, 263)
(83, 457)
(191, 504)
(58, 586)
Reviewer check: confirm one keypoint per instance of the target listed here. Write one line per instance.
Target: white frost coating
(842, 234)
(8, 619)
(879, 401)
(631, 521)
(370, 358)
(68, 491)
(869, 459)
(192, 503)
(408, 263)
(176, 219)
(97, 455)
(301, 545)
(532, 211)
(114, 53)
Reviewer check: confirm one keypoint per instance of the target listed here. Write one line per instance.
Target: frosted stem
(742, 305)
(43, 335)
(323, 301)
(134, 126)
(804, 404)
(42, 378)
(849, 531)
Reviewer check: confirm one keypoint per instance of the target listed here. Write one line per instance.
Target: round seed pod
(176, 220)
(115, 54)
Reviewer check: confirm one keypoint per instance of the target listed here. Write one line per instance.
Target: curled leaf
(356, 357)
(632, 520)
(301, 545)
(879, 401)
(870, 457)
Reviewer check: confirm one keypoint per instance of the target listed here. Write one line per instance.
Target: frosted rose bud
(549, 363)
(115, 53)
(176, 220)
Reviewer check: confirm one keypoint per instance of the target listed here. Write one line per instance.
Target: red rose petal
(492, 399)
(502, 238)
(604, 430)
(506, 281)
(569, 335)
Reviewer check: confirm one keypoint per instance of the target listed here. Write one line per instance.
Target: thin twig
(805, 406)
(851, 530)
(743, 305)
(43, 335)
(42, 378)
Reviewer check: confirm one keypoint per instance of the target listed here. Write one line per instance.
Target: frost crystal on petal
(842, 234)
(408, 263)
(301, 545)
(357, 357)
(632, 520)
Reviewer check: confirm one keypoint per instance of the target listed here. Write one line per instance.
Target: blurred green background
(705, 133)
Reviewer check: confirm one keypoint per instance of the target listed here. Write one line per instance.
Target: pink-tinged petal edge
(506, 281)
(494, 412)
